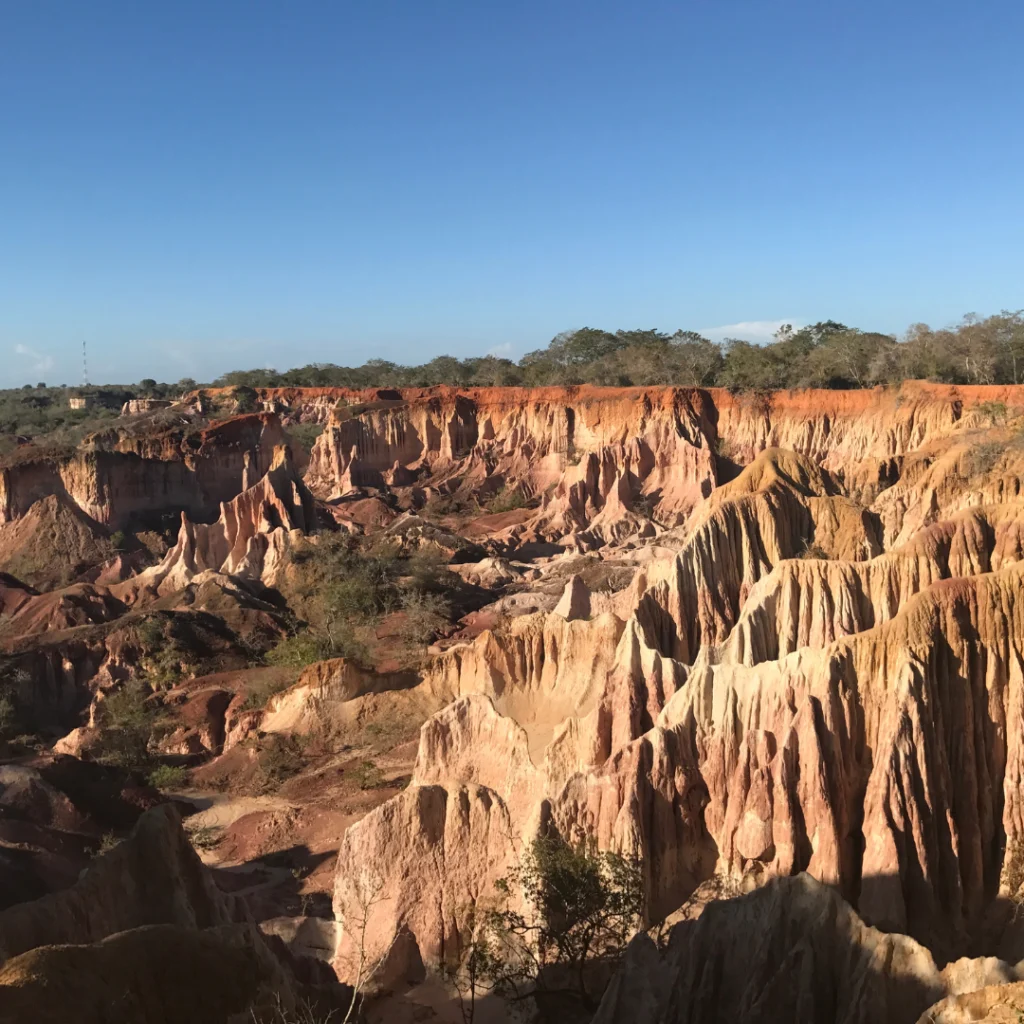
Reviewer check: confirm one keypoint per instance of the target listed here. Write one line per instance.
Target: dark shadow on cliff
(791, 950)
(273, 885)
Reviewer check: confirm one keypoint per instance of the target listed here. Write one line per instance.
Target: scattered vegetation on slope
(341, 591)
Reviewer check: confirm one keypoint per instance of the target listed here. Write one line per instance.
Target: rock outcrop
(825, 677)
(175, 470)
(143, 937)
(791, 951)
(249, 538)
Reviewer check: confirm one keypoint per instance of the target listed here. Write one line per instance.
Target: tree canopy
(827, 354)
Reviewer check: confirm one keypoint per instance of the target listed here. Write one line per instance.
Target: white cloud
(500, 351)
(40, 361)
(749, 330)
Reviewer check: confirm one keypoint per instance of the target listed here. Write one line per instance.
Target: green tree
(566, 907)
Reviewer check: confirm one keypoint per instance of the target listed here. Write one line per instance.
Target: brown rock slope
(144, 937)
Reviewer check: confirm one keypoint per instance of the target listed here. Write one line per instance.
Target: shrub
(107, 843)
(582, 908)
(10, 723)
(508, 499)
(981, 458)
(339, 640)
(14, 717)
(994, 412)
(368, 776)
(126, 724)
(119, 540)
(812, 550)
(246, 399)
(203, 837)
(642, 506)
(168, 776)
(340, 592)
(438, 506)
(259, 693)
(425, 616)
(280, 759)
(304, 1013)
(150, 632)
(305, 434)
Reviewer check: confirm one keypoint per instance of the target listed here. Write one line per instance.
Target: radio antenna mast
(85, 367)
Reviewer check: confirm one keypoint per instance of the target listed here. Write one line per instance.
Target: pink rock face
(824, 677)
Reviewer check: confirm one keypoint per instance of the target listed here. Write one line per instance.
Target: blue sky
(194, 187)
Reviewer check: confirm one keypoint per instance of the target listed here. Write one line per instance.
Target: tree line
(827, 354)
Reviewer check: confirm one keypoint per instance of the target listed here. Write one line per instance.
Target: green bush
(994, 412)
(368, 776)
(508, 499)
(126, 725)
(168, 776)
(150, 632)
(305, 434)
(341, 591)
(582, 907)
(246, 399)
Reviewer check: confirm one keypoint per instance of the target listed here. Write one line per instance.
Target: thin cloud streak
(40, 361)
(749, 330)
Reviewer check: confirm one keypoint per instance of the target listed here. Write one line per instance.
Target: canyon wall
(823, 675)
(192, 472)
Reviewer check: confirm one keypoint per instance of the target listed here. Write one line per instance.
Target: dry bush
(981, 459)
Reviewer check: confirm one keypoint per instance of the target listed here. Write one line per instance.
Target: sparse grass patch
(994, 412)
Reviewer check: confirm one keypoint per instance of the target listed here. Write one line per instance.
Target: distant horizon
(755, 332)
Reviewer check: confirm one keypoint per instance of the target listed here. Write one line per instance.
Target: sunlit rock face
(769, 643)
(822, 673)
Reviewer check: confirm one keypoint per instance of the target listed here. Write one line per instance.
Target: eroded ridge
(772, 644)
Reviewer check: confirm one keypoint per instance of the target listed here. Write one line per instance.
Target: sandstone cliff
(191, 472)
(822, 678)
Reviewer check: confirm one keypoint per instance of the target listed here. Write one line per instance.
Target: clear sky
(195, 186)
